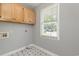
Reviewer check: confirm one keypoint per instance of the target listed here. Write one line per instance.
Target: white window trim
(51, 37)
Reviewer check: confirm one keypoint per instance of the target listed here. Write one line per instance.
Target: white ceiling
(31, 5)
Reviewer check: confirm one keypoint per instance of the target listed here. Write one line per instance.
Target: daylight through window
(49, 21)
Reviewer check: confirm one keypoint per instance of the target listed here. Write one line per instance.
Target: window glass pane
(49, 21)
(49, 18)
(50, 27)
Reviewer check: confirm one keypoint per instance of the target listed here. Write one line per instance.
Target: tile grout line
(40, 48)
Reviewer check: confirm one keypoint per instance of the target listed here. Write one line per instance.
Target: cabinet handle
(23, 20)
(13, 18)
(30, 21)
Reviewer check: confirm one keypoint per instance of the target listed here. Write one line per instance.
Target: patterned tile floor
(30, 51)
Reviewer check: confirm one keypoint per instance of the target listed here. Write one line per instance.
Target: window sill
(49, 37)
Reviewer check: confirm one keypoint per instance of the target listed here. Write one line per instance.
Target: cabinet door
(32, 16)
(7, 11)
(0, 10)
(29, 16)
(26, 15)
(18, 13)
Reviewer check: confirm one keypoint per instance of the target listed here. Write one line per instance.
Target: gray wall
(69, 31)
(17, 38)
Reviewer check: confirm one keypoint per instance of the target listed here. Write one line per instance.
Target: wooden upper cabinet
(29, 16)
(0, 10)
(7, 11)
(18, 12)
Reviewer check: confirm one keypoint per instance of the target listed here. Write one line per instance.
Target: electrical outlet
(25, 30)
(4, 35)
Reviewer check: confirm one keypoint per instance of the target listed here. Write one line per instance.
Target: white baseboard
(14, 51)
(48, 52)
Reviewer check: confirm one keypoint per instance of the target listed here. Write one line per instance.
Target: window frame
(57, 16)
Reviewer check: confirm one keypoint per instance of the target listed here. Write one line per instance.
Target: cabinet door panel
(26, 15)
(7, 11)
(29, 16)
(0, 10)
(32, 16)
(18, 13)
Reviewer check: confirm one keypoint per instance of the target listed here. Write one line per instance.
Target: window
(49, 21)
